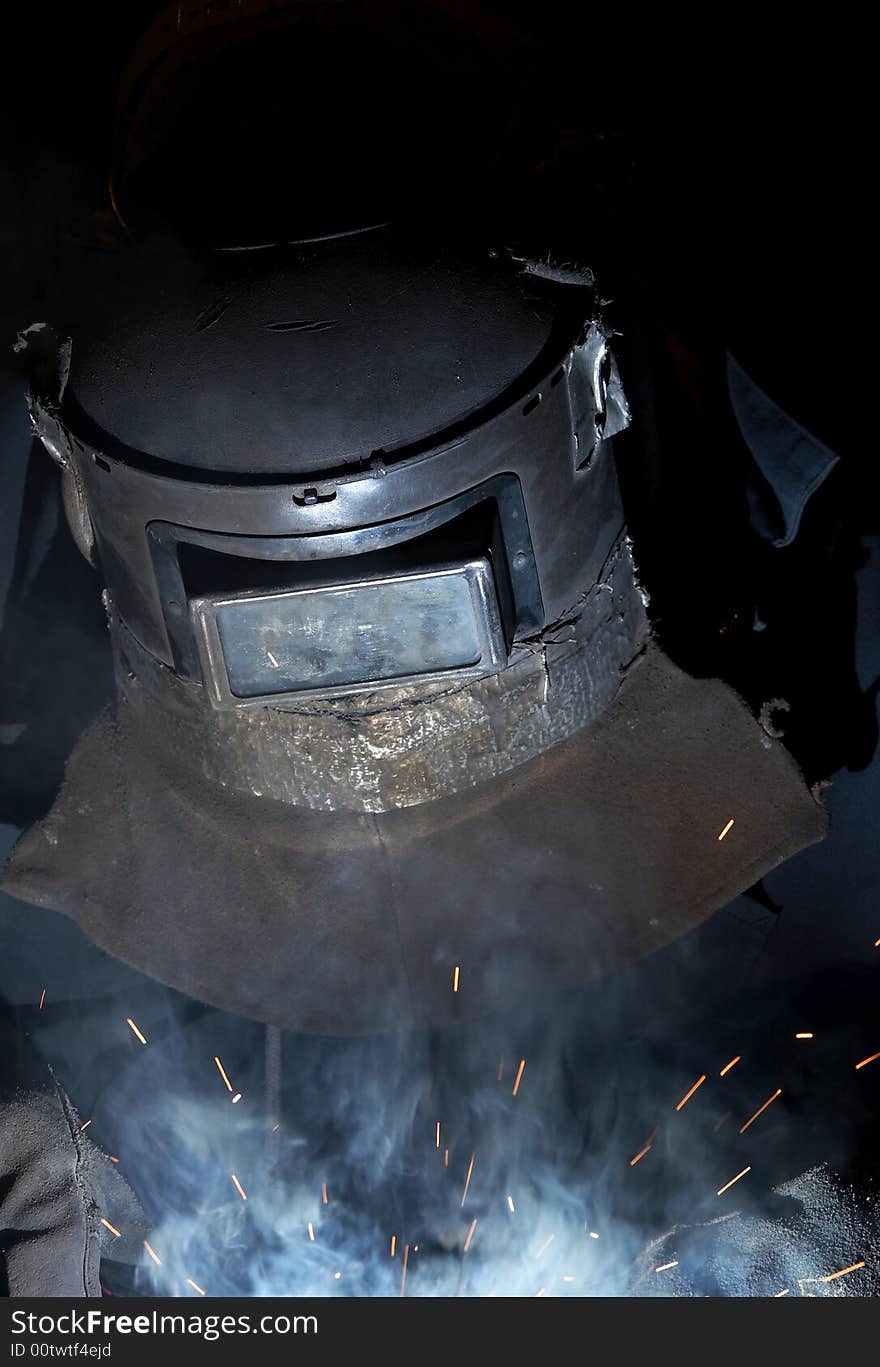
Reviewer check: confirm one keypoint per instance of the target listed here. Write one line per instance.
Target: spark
(153, 1254)
(877, 944)
(42, 999)
(723, 1121)
(641, 1153)
(542, 1292)
(699, 1082)
(467, 1181)
(112, 1229)
(545, 1245)
(238, 1187)
(853, 1267)
(237, 1097)
(470, 1235)
(112, 1159)
(804, 1034)
(324, 1197)
(593, 1234)
(405, 1264)
(393, 1245)
(456, 974)
(446, 1158)
(778, 1092)
(129, 1021)
(336, 1276)
(85, 1126)
(437, 1135)
(727, 1067)
(726, 829)
(273, 662)
(195, 1286)
(500, 1069)
(519, 1073)
(311, 1230)
(785, 1292)
(510, 1206)
(222, 1072)
(866, 1061)
(664, 1267)
(568, 1279)
(723, 1189)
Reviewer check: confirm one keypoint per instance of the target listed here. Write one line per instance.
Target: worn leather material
(55, 1186)
(592, 856)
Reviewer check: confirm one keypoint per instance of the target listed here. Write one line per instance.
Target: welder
(393, 743)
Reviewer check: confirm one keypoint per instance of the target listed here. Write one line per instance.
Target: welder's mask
(393, 745)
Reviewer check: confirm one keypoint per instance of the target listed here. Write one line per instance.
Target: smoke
(524, 1194)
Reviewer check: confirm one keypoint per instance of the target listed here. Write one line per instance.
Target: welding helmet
(393, 744)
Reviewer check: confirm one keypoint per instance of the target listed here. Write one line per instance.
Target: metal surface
(402, 745)
(534, 433)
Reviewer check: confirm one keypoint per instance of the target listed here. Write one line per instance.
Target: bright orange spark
(311, 1230)
(238, 1187)
(641, 1153)
(723, 1189)
(853, 1267)
(153, 1254)
(222, 1072)
(393, 1245)
(781, 1293)
(467, 1181)
(456, 975)
(112, 1229)
(545, 1245)
(42, 999)
(237, 1097)
(470, 1235)
(865, 1061)
(726, 829)
(324, 1197)
(437, 1135)
(520, 1070)
(804, 1034)
(195, 1286)
(141, 1037)
(778, 1092)
(112, 1159)
(85, 1126)
(664, 1267)
(727, 1067)
(877, 944)
(699, 1082)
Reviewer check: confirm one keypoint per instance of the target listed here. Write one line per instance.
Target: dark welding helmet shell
(323, 849)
